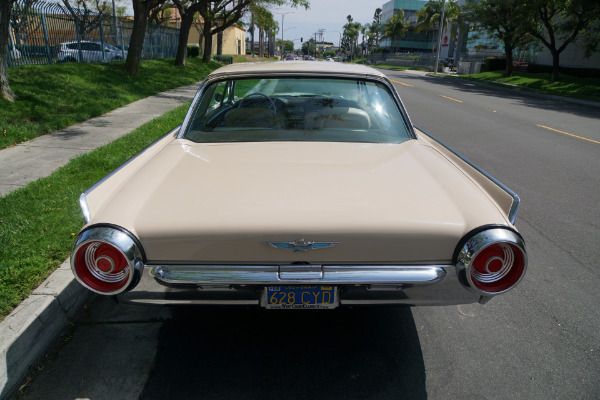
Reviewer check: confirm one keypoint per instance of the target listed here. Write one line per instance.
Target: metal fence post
(46, 38)
(122, 44)
(102, 43)
(12, 43)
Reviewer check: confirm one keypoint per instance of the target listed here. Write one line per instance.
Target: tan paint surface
(217, 202)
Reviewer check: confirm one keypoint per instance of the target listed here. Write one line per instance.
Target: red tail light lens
(105, 260)
(102, 267)
(493, 261)
(498, 267)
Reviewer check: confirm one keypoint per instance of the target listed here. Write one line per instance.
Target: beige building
(233, 39)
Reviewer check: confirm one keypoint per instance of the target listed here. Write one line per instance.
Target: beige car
(299, 185)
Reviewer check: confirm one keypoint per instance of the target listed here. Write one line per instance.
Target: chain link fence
(48, 33)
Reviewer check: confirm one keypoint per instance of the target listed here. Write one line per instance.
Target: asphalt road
(540, 341)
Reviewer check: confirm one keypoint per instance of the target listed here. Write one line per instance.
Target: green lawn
(38, 223)
(240, 58)
(51, 97)
(399, 68)
(567, 86)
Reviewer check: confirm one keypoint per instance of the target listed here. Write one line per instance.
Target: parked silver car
(90, 52)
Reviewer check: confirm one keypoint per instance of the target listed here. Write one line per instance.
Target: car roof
(313, 67)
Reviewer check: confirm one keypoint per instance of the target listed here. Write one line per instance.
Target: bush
(578, 72)
(495, 64)
(193, 51)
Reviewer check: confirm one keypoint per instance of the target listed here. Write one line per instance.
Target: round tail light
(105, 260)
(493, 261)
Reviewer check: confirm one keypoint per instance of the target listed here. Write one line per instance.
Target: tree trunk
(261, 42)
(5, 91)
(220, 43)
(508, 50)
(252, 35)
(555, 65)
(207, 32)
(184, 33)
(136, 44)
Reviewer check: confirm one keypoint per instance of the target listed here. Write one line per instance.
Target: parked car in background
(299, 185)
(90, 52)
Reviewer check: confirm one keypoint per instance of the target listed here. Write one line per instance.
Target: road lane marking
(401, 83)
(450, 98)
(570, 134)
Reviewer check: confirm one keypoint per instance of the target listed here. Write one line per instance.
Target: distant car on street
(90, 52)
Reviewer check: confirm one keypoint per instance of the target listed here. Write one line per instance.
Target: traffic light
(300, 40)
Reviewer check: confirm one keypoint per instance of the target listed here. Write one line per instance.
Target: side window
(72, 46)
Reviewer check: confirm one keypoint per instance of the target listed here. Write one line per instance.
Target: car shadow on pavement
(222, 353)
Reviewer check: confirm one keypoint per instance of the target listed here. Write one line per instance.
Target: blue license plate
(300, 297)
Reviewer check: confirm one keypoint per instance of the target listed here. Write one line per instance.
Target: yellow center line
(450, 98)
(570, 134)
(405, 84)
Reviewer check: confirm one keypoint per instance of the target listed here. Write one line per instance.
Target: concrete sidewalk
(27, 333)
(40, 157)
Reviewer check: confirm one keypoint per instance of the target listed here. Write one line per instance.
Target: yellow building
(233, 39)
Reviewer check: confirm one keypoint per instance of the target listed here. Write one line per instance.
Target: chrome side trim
(87, 215)
(512, 214)
(85, 209)
(268, 275)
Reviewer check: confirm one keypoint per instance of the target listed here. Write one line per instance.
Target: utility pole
(115, 23)
(437, 54)
(282, 46)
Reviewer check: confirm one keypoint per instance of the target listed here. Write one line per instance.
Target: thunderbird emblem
(301, 245)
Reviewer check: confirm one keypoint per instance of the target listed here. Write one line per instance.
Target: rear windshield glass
(297, 109)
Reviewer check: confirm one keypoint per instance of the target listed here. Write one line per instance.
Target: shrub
(193, 51)
(495, 64)
(578, 72)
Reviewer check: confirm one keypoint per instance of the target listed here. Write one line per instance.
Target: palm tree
(429, 16)
(395, 28)
(351, 33)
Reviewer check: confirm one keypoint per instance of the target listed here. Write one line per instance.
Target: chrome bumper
(243, 285)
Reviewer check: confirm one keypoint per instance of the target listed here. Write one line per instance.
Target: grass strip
(38, 223)
(52, 97)
(567, 85)
(399, 68)
(241, 58)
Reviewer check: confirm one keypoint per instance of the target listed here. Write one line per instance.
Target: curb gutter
(33, 326)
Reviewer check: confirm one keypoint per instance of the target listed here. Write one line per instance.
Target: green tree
(504, 20)
(431, 14)
(395, 28)
(350, 36)
(375, 28)
(558, 23)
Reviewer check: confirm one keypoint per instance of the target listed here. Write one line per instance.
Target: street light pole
(282, 47)
(437, 54)
(116, 39)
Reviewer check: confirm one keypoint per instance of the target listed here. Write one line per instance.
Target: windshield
(297, 109)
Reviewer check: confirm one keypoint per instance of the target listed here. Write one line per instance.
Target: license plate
(300, 297)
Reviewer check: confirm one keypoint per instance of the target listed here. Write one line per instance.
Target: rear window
(297, 109)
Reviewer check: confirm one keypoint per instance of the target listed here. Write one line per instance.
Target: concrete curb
(30, 329)
(34, 325)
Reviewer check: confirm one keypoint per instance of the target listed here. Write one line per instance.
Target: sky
(323, 14)
(329, 15)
